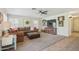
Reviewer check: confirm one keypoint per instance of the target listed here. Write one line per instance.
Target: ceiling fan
(42, 12)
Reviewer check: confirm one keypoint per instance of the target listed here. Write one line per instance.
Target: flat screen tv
(50, 22)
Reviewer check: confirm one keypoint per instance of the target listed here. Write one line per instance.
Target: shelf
(8, 47)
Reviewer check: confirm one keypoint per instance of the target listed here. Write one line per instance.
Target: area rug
(41, 43)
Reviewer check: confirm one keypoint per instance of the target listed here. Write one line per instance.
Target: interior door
(76, 24)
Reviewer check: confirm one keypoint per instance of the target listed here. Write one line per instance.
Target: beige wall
(76, 24)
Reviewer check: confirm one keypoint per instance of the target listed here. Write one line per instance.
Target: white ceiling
(34, 13)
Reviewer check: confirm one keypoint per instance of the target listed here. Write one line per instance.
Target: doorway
(75, 26)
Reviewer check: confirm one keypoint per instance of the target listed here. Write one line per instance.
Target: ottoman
(33, 35)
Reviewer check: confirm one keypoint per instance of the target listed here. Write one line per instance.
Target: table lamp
(6, 26)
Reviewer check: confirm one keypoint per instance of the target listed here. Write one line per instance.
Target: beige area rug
(41, 43)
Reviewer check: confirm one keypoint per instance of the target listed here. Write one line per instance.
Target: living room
(34, 29)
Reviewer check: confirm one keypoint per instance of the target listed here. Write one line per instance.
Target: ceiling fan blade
(45, 11)
(40, 11)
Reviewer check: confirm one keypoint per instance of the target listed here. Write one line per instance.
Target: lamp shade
(1, 18)
(6, 25)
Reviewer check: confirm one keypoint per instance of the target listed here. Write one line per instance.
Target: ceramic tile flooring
(68, 44)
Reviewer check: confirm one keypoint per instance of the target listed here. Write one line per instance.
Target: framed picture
(27, 22)
(61, 21)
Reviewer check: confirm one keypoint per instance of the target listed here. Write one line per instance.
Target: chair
(20, 36)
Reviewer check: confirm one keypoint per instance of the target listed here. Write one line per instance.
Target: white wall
(62, 30)
(72, 25)
(75, 23)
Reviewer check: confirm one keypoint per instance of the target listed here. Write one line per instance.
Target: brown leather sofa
(21, 32)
